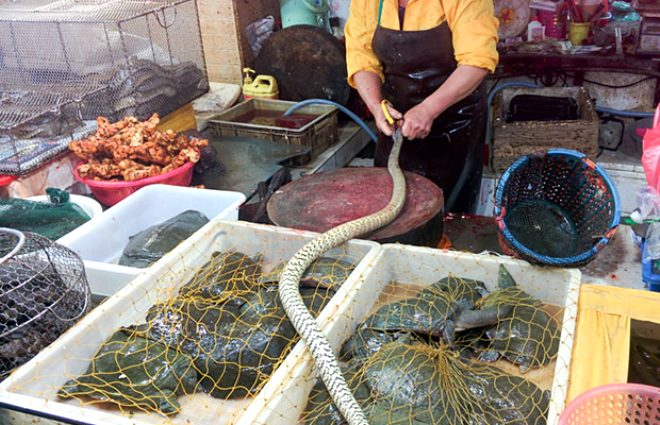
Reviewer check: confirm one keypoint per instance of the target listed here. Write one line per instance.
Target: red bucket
(109, 192)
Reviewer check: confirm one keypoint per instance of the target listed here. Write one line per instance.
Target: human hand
(417, 122)
(381, 122)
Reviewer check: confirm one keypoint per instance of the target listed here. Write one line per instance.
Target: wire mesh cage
(556, 208)
(65, 62)
(43, 292)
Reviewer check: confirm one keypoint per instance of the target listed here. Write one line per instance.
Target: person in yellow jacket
(429, 58)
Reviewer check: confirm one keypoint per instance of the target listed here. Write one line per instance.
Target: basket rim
(606, 389)
(132, 183)
(576, 259)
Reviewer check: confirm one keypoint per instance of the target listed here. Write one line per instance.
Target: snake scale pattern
(301, 318)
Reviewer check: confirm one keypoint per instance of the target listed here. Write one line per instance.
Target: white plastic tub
(100, 242)
(34, 385)
(283, 399)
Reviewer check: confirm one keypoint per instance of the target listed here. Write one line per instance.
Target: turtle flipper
(504, 278)
(470, 319)
(448, 331)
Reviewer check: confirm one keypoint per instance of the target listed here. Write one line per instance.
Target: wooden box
(514, 139)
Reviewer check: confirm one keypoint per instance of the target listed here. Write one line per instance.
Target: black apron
(415, 64)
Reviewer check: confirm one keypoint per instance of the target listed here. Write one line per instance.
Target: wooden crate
(512, 140)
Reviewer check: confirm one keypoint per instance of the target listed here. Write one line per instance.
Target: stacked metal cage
(65, 62)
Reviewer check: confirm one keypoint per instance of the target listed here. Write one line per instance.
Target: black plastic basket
(556, 208)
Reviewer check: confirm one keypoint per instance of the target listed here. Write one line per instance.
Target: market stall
(329, 212)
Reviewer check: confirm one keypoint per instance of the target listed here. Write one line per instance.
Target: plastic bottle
(652, 243)
(535, 30)
(648, 205)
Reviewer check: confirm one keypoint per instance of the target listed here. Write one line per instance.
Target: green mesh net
(222, 334)
(52, 219)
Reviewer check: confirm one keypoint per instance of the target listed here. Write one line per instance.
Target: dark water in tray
(544, 228)
(275, 119)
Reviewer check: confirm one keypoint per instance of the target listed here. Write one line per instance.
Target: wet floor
(618, 264)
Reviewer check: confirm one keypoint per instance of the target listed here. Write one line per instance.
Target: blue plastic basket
(557, 208)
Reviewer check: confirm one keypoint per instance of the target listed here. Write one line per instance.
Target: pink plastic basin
(109, 192)
(615, 404)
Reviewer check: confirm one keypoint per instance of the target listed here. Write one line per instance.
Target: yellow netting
(423, 359)
(223, 333)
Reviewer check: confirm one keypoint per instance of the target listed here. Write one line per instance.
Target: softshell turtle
(415, 383)
(500, 398)
(225, 271)
(321, 410)
(149, 245)
(525, 333)
(439, 310)
(365, 342)
(235, 344)
(435, 311)
(325, 271)
(132, 371)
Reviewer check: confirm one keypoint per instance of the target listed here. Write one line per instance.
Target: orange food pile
(131, 149)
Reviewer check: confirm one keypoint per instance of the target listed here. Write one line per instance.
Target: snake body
(301, 318)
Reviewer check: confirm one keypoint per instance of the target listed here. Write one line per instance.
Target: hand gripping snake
(289, 291)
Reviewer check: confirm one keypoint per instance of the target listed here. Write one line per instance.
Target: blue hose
(342, 108)
(628, 114)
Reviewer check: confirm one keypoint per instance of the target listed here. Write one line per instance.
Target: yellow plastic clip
(383, 104)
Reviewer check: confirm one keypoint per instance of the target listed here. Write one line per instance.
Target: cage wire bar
(64, 63)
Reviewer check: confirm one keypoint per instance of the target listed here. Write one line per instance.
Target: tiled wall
(222, 23)
(221, 49)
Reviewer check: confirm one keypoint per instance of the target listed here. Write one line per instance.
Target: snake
(302, 320)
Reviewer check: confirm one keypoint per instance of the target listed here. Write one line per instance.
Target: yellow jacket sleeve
(474, 32)
(359, 33)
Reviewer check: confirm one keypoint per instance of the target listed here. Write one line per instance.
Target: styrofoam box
(285, 396)
(34, 385)
(101, 241)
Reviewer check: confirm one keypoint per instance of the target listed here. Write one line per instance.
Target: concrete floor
(619, 263)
